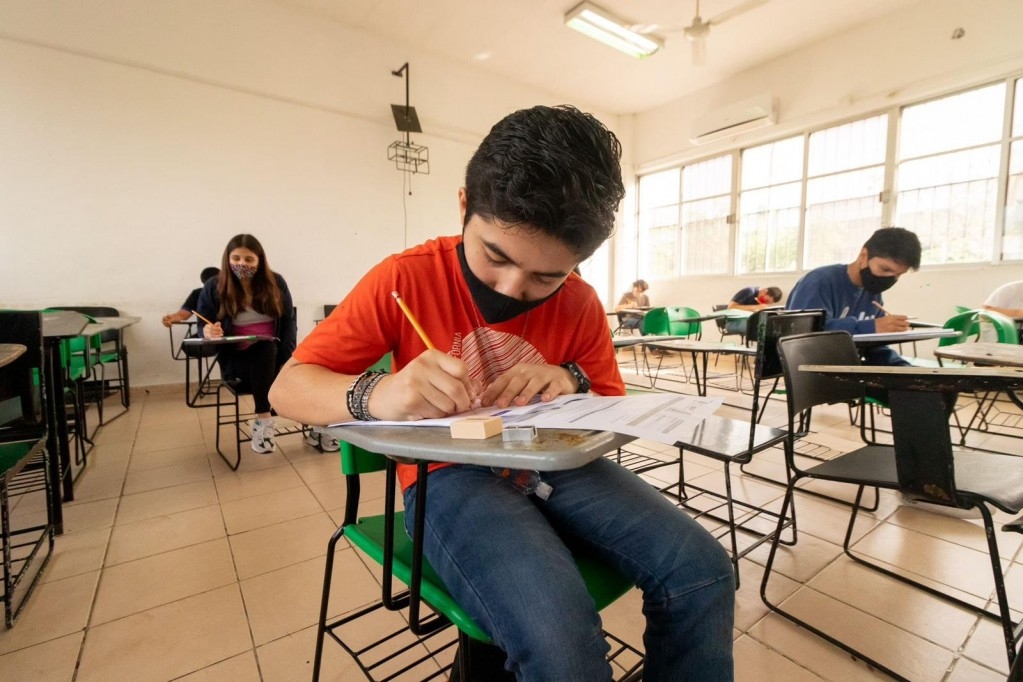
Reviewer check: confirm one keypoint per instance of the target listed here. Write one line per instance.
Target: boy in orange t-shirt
(510, 321)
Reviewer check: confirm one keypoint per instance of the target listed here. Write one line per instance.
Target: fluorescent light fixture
(601, 25)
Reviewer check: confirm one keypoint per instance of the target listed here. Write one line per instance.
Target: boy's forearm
(310, 394)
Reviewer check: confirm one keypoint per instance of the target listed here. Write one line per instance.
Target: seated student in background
(1007, 299)
(755, 298)
(850, 294)
(192, 302)
(250, 298)
(634, 298)
(511, 322)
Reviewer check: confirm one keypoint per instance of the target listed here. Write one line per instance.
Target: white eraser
(518, 433)
(478, 428)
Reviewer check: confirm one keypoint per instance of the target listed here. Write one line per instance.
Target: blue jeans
(502, 557)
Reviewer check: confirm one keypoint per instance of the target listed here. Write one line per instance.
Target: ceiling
(527, 41)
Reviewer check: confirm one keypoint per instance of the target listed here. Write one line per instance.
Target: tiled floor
(172, 567)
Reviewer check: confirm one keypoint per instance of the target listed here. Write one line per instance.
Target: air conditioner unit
(734, 119)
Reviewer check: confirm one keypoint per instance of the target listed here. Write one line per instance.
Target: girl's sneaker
(263, 436)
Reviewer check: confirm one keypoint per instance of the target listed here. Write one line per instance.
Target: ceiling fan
(696, 32)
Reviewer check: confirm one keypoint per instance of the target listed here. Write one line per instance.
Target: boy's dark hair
(897, 243)
(640, 284)
(774, 293)
(207, 273)
(554, 169)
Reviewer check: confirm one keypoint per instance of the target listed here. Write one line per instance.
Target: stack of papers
(660, 417)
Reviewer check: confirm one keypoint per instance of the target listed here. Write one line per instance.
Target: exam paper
(660, 417)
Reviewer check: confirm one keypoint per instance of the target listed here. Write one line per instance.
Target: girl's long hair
(266, 295)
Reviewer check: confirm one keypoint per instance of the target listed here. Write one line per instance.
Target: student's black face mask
(494, 306)
(875, 284)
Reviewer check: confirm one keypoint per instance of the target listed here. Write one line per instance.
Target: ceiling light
(600, 25)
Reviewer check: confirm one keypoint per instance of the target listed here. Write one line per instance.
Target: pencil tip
(395, 294)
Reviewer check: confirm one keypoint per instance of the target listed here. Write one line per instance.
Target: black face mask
(494, 306)
(875, 284)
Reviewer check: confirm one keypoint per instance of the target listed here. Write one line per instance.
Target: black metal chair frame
(31, 473)
(922, 464)
(112, 341)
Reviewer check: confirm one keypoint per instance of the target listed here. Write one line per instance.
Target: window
(947, 175)
(1012, 233)
(770, 200)
(658, 224)
(955, 177)
(706, 205)
(845, 178)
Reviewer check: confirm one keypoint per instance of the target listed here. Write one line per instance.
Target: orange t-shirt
(571, 326)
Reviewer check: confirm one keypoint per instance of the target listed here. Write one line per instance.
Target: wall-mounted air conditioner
(733, 119)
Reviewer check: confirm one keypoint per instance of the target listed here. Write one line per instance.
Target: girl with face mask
(247, 298)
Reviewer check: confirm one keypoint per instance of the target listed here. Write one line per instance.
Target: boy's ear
(463, 203)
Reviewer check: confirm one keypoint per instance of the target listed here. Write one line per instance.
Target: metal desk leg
(57, 435)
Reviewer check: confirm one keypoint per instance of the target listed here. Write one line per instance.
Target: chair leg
(222, 421)
(321, 628)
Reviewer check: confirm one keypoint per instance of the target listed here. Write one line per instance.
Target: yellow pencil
(880, 307)
(202, 318)
(413, 321)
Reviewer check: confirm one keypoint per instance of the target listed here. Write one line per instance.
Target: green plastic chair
(1004, 326)
(383, 538)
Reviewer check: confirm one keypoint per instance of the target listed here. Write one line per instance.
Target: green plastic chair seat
(605, 585)
(14, 452)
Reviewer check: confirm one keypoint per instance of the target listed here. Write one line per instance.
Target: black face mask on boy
(494, 306)
(874, 283)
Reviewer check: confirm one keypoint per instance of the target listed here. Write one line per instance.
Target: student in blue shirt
(850, 294)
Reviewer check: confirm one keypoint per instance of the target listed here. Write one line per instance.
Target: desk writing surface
(554, 450)
(887, 338)
(694, 346)
(227, 340)
(924, 378)
(9, 352)
(59, 324)
(1006, 354)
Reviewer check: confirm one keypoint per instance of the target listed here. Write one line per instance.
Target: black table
(57, 326)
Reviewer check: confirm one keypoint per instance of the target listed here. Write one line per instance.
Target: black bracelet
(357, 396)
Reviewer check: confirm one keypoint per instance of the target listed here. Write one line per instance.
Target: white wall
(137, 137)
(904, 57)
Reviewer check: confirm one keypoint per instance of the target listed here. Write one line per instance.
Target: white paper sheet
(660, 417)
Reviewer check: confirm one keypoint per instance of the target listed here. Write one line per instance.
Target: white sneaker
(321, 440)
(263, 436)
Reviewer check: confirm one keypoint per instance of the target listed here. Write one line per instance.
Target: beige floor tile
(285, 601)
(164, 533)
(52, 661)
(161, 579)
(754, 661)
(241, 485)
(250, 513)
(905, 653)
(808, 651)
(986, 646)
(894, 602)
(283, 544)
(325, 467)
(933, 558)
(959, 531)
(54, 610)
(624, 618)
(166, 437)
(168, 641)
(141, 461)
(93, 485)
(291, 658)
(189, 471)
(162, 501)
(803, 560)
(77, 553)
(749, 607)
(966, 670)
(330, 493)
(80, 516)
(240, 668)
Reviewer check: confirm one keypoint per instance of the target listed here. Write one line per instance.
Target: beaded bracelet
(357, 396)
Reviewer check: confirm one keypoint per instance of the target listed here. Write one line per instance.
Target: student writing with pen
(509, 320)
(850, 294)
(249, 298)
